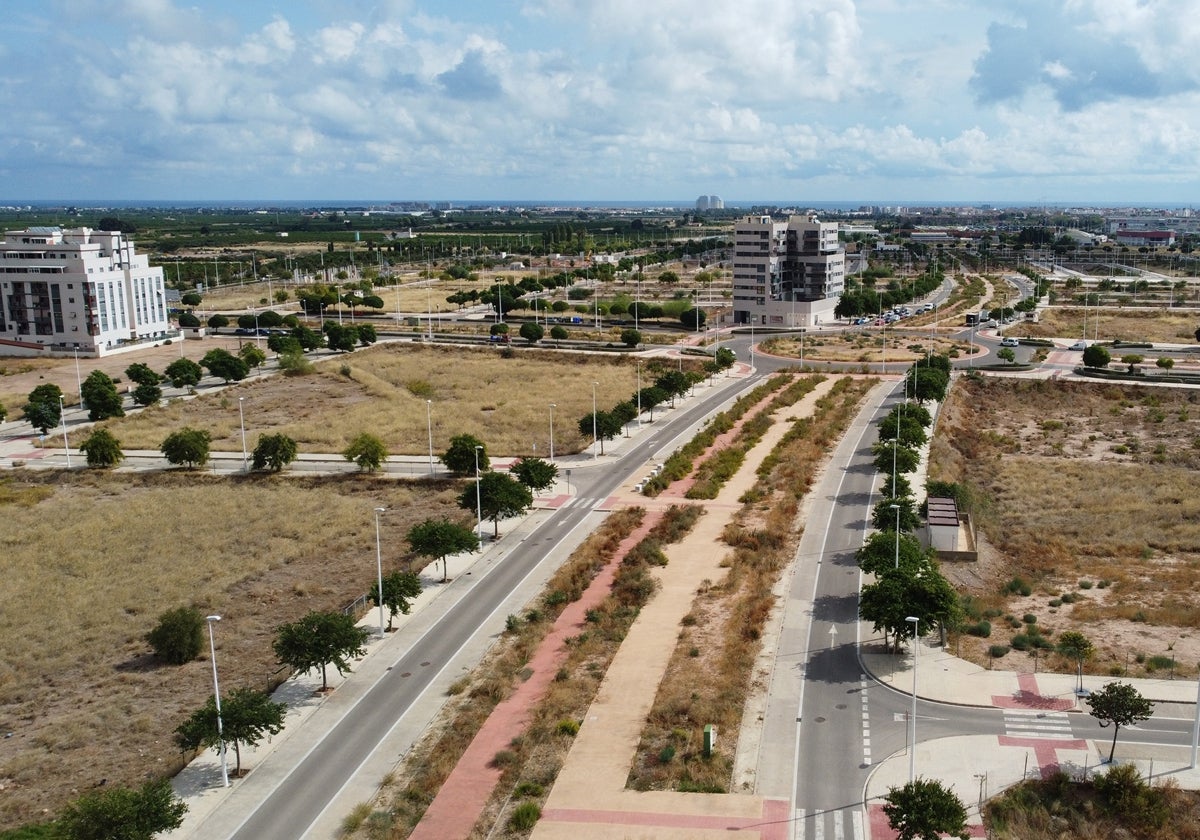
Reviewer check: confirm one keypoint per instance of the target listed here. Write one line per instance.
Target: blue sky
(1045, 101)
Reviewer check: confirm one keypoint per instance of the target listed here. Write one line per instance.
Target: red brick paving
(1027, 697)
(461, 800)
(774, 823)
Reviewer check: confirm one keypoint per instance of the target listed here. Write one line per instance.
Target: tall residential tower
(786, 274)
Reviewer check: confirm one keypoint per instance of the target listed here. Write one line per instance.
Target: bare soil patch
(1088, 491)
(869, 347)
(1154, 325)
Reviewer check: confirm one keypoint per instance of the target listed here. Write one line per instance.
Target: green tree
(367, 335)
(925, 810)
(896, 594)
(188, 446)
(1166, 363)
(459, 457)
(184, 373)
(340, 337)
(1074, 645)
(178, 637)
(218, 322)
(101, 397)
(293, 363)
(1119, 704)
(1095, 356)
(147, 394)
(190, 299)
(878, 553)
(367, 451)
(500, 497)
(631, 337)
(252, 355)
(224, 365)
(122, 813)
(1132, 360)
(399, 588)
(43, 409)
(692, 319)
(1006, 354)
(883, 517)
(141, 374)
(274, 452)
(535, 473)
(674, 383)
(650, 398)
(602, 424)
(559, 333)
(437, 539)
(906, 459)
(188, 321)
(318, 640)
(246, 716)
(725, 358)
(102, 449)
(3, 413)
(283, 344)
(309, 339)
(532, 332)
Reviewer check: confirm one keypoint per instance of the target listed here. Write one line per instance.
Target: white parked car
(1078, 345)
(1009, 342)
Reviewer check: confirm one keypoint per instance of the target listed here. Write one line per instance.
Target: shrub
(982, 629)
(525, 816)
(528, 789)
(666, 754)
(1085, 584)
(568, 726)
(179, 635)
(1018, 642)
(996, 651)
(1160, 663)
(1029, 618)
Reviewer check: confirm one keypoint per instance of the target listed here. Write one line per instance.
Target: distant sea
(681, 205)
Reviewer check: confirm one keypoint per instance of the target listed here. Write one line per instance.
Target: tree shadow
(142, 663)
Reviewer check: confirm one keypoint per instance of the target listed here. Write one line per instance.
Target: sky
(1088, 102)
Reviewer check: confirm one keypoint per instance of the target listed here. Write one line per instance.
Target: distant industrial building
(786, 274)
(77, 290)
(710, 202)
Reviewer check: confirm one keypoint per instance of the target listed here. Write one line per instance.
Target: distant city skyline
(1074, 102)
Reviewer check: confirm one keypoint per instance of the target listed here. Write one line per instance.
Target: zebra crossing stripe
(1038, 724)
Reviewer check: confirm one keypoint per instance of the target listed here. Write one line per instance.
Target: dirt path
(589, 798)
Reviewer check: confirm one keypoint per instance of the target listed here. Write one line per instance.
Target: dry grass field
(383, 390)
(91, 560)
(1089, 491)
(1157, 325)
(867, 346)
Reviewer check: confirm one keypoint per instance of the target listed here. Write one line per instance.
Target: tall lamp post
(212, 654)
(552, 433)
(912, 715)
(62, 415)
(429, 426)
(79, 382)
(895, 442)
(897, 509)
(379, 569)
(478, 499)
(242, 423)
(595, 433)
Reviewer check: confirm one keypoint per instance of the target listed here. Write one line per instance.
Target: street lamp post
(595, 432)
(242, 423)
(429, 426)
(895, 443)
(897, 509)
(62, 415)
(379, 569)
(1196, 727)
(552, 433)
(212, 654)
(912, 715)
(478, 498)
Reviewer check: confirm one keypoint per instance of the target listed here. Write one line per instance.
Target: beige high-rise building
(786, 274)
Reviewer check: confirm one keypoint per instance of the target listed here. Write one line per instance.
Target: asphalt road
(294, 805)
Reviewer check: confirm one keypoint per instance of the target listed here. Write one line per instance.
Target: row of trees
(907, 579)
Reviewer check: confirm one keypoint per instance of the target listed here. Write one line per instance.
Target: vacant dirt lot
(1084, 490)
(91, 560)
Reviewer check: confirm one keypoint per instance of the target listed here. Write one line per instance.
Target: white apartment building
(77, 290)
(786, 274)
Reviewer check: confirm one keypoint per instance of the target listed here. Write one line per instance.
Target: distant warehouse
(77, 290)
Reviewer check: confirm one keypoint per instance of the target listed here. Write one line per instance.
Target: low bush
(982, 629)
(525, 816)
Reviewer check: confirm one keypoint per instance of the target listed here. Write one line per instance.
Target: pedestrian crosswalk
(842, 824)
(582, 502)
(1020, 723)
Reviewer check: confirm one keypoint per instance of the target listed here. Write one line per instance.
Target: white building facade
(786, 274)
(78, 290)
